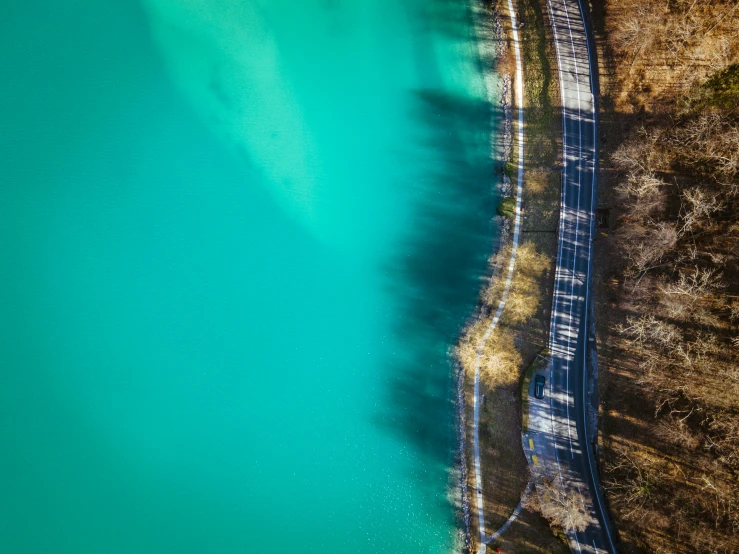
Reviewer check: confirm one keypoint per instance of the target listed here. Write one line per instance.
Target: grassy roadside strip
(522, 331)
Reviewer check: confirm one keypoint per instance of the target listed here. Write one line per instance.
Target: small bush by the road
(507, 207)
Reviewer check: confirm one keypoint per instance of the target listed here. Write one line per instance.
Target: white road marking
(556, 317)
(577, 221)
(553, 330)
(563, 216)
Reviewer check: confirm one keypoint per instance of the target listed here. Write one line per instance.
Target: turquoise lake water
(237, 240)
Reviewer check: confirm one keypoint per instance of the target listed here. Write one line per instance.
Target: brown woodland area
(667, 272)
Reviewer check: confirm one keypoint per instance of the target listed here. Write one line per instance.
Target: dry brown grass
(666, 47)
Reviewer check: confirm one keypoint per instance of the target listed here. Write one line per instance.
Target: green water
(236, 242)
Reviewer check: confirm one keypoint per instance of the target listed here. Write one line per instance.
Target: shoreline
(501, 153)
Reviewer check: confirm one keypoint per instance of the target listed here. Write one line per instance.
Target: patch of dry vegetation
(561, 504)
(665, 47)
(525, 295)
(499, 360)
(669, 292)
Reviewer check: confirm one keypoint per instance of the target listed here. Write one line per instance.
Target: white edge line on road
(577, 231)
(553, 326)
(577, 220)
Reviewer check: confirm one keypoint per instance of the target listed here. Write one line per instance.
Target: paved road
(557, 425)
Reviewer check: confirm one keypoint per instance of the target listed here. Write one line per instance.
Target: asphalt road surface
(558, 446)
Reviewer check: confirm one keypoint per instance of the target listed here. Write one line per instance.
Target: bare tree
(645, 194)
(645, 246)
(699, 205)
(637, 32)
(638, 155)
(709, 142)
(562, 504)
(648, 330)
(691, 295)
(631, 483)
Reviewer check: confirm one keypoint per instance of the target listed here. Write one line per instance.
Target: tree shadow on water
(462, 21)
(435, 274)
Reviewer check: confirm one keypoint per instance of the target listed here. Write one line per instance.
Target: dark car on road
(539, 383)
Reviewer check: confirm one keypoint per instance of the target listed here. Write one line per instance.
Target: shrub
(507, 207)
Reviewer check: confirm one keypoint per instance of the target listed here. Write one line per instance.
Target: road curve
(560, 441)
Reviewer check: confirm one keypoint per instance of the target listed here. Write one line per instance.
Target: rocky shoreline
(502, 150)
